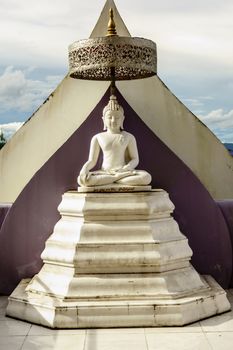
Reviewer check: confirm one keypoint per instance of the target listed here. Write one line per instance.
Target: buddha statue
(120, 154)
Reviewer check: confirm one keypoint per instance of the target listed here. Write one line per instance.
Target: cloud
(193, 102)
(221, 123)
(199, 102)
(198, 105)
(192, 37)
(218, 119)
(9, 129)
(33, 32)
(19, 92)
(177, 6)
(225, 137)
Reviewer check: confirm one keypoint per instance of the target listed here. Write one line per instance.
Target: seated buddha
(120, 154)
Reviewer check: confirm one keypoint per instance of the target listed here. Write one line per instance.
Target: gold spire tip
(111, 24)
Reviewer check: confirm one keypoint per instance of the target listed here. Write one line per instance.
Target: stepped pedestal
(116, 260)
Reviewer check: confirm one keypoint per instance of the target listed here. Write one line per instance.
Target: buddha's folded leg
(96, 180)
(100, 179)
(140, 178)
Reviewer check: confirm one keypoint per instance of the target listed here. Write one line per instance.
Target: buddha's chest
(113, 142)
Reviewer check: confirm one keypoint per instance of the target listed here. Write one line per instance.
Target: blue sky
(194, 40)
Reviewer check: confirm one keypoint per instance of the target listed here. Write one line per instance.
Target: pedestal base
(116, 260)
(54, 313)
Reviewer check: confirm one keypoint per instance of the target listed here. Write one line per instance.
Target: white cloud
(225, 137)
(197, 104)
(218, 119)
(9, 129)
(192, 38)
(221, 123)
(17, 92)
(33, 32)
(210, 98)
(192, 102)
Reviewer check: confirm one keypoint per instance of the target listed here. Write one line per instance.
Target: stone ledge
(154, 204)
(54, 313)
(113, 188)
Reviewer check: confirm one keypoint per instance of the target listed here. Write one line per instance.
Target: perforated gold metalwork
(131, 58)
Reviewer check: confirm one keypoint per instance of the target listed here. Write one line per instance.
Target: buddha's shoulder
(100, 135)
(97, 136)
(128, 135)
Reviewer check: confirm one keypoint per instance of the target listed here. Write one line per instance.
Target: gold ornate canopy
(112, 57)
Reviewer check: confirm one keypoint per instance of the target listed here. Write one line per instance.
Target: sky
(194, 43)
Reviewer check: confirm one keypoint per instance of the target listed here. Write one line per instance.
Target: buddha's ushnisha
(120, 154)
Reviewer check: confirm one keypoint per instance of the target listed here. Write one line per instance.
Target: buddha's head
(113, 115)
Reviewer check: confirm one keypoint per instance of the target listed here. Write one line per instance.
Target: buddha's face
(113, 120)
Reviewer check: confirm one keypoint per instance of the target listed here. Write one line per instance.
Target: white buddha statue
(120, 154)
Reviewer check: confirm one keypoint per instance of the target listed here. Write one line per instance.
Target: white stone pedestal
(116, 260)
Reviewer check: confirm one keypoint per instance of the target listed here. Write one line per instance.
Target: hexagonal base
(54, 313)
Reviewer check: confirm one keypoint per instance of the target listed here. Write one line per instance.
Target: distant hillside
(229, 146)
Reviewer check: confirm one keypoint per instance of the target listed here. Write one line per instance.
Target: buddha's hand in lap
(122, 171)
(126, 168)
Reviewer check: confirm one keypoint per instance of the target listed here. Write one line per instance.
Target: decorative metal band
(131, 58)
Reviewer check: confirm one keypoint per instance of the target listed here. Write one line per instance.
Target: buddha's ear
(105, 127)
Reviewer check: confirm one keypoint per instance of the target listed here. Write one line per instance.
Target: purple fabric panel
(34, 213)
(226, 207)
(4, 208)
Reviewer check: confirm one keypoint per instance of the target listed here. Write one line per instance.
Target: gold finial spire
(111, 24)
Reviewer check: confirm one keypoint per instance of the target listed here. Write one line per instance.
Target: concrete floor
(215, 333)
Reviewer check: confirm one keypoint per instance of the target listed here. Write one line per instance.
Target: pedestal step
(172, 284)
(94, 207)
(54, 313)
(141, 257)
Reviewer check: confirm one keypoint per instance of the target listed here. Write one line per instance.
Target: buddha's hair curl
(113, 105)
